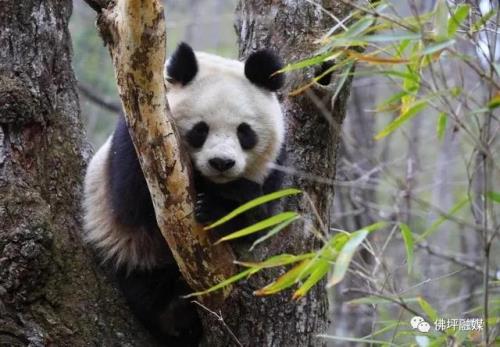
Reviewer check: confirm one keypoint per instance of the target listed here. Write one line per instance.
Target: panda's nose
(221, 164)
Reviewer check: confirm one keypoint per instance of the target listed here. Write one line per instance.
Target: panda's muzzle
(221, 164)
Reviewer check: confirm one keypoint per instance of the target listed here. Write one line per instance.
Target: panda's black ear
(182, 66)
(260, 67)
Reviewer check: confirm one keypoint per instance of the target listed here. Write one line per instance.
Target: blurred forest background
(424, 178)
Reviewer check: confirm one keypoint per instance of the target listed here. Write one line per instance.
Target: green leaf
(428, 309)
(254, 203)
(359, 27)
(388, 37)
(441, 125)
(310, 61)
(264, 224)
(495, 102)
(408, 240)
(317, 274)
(483, 20)
(377, 300)
(391, 100)
(285, 281)
(341, 82)
(411, 112)
(224, 283)
(347, 252)
(441, 18)
(277, 260)
(437, 46)
(494, 196)
(435, 225)
(458, 17)
(410, 76)
(273, 231)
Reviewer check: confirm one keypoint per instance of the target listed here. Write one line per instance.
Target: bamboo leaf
(437, 46)
(483, 20)
(374, 59)
(273, 231)
(345, 256)
(389, 103)
(224, 283)
(394, 37)
(310, 61)
(285, 281)
(494, 196)
(254, 203)
(458, 17)
(359, 27)
(278, 260)
(428, 309)
(411, 112)
(341, 82)
(435, 225)
(495, 102)
(376, 300)
(408, 240)
(347, 252)
(441, 125)
(319, 272)
(441, 18)
(264, 224)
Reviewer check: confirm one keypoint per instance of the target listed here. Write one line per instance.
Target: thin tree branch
(87, 91)
(454, 259)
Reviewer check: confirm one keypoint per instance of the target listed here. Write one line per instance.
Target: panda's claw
(201, 209)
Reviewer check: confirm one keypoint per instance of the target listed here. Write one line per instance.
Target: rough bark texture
(134, 31)
(289, 27)
(50, 293)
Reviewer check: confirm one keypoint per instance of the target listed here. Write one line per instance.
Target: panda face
(232, 126)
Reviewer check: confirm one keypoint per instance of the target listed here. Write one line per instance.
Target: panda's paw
(202, 211)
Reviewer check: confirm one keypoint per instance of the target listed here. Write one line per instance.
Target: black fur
(130, 197)
(246, 136)
(154, 296)
(197, 136)
(326, 79)
(260, 67)
(182, 66)
(155, 299)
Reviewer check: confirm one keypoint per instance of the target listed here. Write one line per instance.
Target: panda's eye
(246, 136)
(197, 135)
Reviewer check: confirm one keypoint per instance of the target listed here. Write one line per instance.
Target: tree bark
(50, 293)
(290, 28)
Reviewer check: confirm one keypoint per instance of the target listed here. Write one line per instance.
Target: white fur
(223, 97)
(117, 243)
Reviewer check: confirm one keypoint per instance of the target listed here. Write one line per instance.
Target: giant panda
(232, 126)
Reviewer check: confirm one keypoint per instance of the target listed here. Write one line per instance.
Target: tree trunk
(290, 28)
(50, 293)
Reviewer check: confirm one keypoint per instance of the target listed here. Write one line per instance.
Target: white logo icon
(420, 324)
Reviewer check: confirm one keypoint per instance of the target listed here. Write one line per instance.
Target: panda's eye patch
(246, 136)
(197, 135)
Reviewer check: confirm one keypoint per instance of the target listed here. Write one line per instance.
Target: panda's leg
(155, 298)
(208, 208)
(217, 200)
